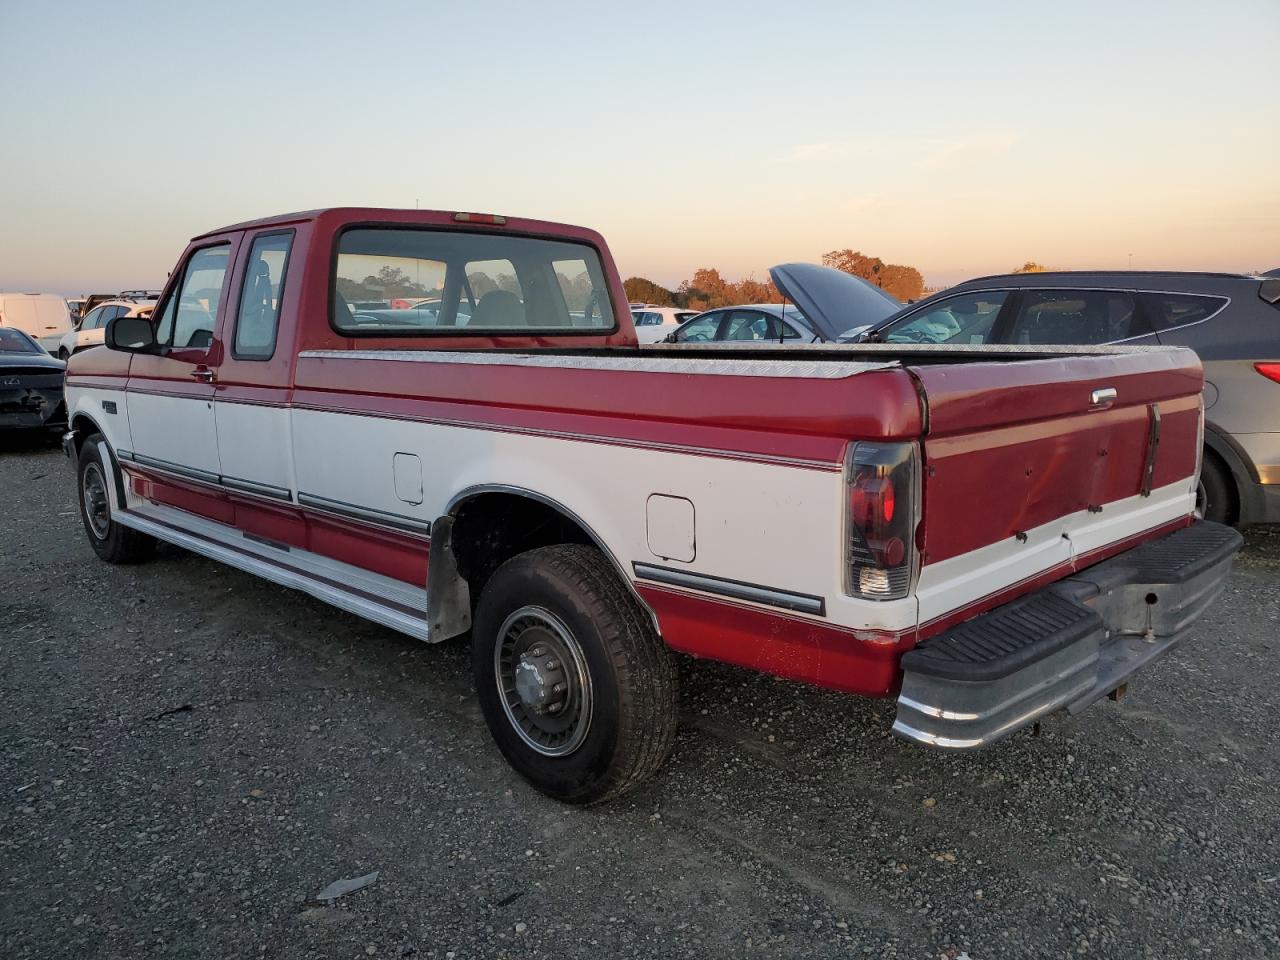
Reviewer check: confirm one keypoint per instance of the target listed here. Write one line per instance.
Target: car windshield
(11, 341)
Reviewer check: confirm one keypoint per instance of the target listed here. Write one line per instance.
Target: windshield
(11, 341)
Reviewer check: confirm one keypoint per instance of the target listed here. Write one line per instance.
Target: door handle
(1102, 398)
(203, 374)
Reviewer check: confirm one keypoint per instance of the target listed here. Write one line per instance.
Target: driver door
(170, 393)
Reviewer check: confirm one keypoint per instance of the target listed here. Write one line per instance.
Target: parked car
(1231, 320)
(43, 316)
(752, 322)
(653, 323)
(801, 321)
(31, 393)
(986, 534)
(89, 331)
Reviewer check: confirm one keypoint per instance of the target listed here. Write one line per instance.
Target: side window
(968, 318)
(93, 319)
(750, 325)
(700, 330)
(189, 314)
(649, 320)
(1074, 316)
(259, 314)
(1169, 310)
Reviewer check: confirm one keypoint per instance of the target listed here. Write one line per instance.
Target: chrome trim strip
(801, 602)
(176, 469)
(262, 489)
(804, 366)
(368, 514)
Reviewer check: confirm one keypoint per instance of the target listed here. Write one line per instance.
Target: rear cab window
(407, 282)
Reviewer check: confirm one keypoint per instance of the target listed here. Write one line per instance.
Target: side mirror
(131, 335)
(670, 338)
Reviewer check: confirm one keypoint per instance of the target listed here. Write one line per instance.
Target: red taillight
(882, 483)
(1269, 370)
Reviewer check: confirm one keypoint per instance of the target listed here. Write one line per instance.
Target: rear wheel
(575, 685)
(110, 540)
(1215, 496)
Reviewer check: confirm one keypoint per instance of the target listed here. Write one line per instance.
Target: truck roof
(399, 215)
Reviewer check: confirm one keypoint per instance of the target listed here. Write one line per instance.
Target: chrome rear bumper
(1064, 646)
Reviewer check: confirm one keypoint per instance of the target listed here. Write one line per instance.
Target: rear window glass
(11, 341)
(1169, 310)
(415, 282)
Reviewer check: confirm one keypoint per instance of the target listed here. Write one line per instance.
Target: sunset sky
(961, 139)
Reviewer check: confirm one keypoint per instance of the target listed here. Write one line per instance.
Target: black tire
(63, 355)
(110, 540)
(626, 678)
(1216, 495)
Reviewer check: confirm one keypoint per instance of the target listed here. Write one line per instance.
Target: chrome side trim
(355, 512)
(176, 469)
(802, 367)
(262, 489)
(755, 593)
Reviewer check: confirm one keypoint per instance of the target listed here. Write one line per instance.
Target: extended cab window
(259, 314)
(412, 282)
(189, 314)
(966, 318)
(1075, 316)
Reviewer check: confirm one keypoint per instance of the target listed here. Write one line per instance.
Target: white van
(41, 316)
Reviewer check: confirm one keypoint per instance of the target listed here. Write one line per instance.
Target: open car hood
(834, 301)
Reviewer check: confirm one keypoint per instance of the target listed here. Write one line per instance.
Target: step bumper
(1064, 646)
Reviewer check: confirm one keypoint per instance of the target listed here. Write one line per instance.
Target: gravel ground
(188, 755)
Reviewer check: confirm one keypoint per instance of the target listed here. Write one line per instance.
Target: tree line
(707, 289)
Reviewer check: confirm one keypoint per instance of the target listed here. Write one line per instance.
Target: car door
(170, 393)
(251, 395)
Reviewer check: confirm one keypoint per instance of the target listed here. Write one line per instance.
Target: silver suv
(1231, 320)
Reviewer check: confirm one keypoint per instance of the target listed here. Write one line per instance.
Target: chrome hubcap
(93, 493)
(543, 681)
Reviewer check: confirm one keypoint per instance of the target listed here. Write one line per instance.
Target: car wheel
(576, 686)
(110, 540)
(1215, 495)
(63, 354)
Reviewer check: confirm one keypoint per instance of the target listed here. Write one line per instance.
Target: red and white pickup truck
(443, 422)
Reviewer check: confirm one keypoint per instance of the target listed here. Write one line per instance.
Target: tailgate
(1034, 468)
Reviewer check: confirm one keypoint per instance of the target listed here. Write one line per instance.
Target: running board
(383, 600)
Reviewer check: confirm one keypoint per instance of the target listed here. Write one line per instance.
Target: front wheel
(63, 354)
(110, 540)
(575, 685)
